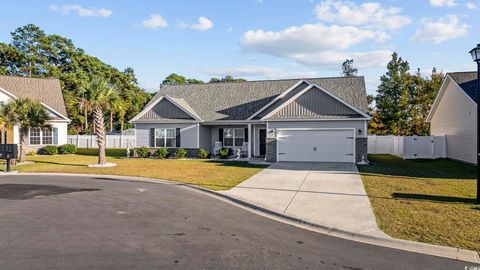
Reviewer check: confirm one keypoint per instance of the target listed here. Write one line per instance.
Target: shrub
(32, 153)
(180, 153)
(161, 153)
(203, 154)
(67, 149)
(143, 152)
(224, 153)
(50, 150)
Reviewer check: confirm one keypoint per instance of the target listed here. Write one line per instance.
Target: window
(35, 137)
(40, 136)
(165, 137)
(47, 136)
(233, 137)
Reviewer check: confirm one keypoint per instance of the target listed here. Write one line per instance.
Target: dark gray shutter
(152, 138)
(55, 135)
(246, 134)
(177, 137)
(220, 135)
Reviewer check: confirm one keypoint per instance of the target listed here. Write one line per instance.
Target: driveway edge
(406, 245)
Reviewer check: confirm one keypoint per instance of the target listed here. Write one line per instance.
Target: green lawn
(430, 201)
(215, 175)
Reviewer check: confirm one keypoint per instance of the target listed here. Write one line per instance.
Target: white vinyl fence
(409, 147)
(112, 141)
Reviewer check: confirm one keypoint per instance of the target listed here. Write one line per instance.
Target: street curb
(406, 245)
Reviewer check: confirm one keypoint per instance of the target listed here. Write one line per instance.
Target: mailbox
(8, 151)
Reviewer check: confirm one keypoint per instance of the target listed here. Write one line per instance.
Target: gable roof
(467, 81)
(240, 100)
(47, 91)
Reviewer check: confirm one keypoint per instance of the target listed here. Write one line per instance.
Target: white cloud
(369, 14)
(307, 38)
(317, 45)
(443, 3)
(203, 24)
(258, 71)
(154, 22)
(82, 11)
(445, 28)
(471, 6)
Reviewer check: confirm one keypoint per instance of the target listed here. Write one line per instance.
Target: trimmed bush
(32, 153)
(180, 153)
(161, 153)
(50, 150)
(143, 152)
(67, 149)
(224, 153)
(203, 154)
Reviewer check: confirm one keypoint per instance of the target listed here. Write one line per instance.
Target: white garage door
(332, 145)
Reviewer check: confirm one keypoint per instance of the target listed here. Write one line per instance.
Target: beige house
(454, 114)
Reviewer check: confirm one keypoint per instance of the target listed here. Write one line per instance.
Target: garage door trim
(318, 129)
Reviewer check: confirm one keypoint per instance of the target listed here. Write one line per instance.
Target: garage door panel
(316, 145)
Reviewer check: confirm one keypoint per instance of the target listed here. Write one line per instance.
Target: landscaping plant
(224, 153)
(161, 153)
(50, 150)
(143, 152)
(67, 149)
(203, 154)
(180, 153)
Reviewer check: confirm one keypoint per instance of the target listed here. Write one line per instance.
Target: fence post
(433, 146)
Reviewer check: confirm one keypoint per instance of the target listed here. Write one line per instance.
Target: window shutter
(246, 134)
(177, 137)
(152, 138)
(220, 135)
(55, 135)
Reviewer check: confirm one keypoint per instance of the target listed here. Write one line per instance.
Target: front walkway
(329, 194)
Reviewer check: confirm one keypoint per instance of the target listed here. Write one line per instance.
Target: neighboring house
(49, 93)
(454, 114)
(319, 119)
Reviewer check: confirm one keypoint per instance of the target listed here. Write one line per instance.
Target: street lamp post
(475, 52)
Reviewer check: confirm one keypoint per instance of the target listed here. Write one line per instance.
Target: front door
(263, 141)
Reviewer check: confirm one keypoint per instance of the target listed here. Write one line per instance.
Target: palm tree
(24, 113)
(85, 106)
(100, 93)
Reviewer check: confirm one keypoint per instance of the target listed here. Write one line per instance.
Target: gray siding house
(454, 114)
(320, 119)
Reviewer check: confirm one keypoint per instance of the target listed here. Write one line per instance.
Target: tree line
(403, 98)
(33, 53)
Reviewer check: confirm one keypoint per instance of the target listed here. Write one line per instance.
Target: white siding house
(453, 114)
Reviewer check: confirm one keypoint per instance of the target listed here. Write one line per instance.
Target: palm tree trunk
(111, 121)
(85, 118)
(121, 124)
(100, 132)
(23, 143)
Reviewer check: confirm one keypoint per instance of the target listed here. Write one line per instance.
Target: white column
(249, 140)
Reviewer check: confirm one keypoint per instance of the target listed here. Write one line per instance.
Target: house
(49, 93)
(454, 114)
(321, 119)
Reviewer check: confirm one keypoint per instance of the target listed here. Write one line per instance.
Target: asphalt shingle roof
(238, 101)
(468, 82)
(45, 90)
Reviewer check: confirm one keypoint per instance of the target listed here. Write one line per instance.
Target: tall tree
(25, 114)
(31, 42)
(101, 93)
(174, 79)
(391, 92)
(348, 70)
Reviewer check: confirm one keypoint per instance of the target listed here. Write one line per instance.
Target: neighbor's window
(35, 138)
(233, 137)
(47, 136)
(165, 137)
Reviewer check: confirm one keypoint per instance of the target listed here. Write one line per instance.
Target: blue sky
(258, 39)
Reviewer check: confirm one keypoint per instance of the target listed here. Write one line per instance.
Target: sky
(258, 39)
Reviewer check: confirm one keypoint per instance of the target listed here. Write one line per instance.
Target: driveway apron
(329, 194)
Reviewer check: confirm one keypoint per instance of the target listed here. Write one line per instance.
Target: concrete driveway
(330, 194)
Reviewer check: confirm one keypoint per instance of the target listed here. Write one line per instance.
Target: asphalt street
(57, 222)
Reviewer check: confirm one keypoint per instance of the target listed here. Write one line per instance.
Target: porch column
(249, 141)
